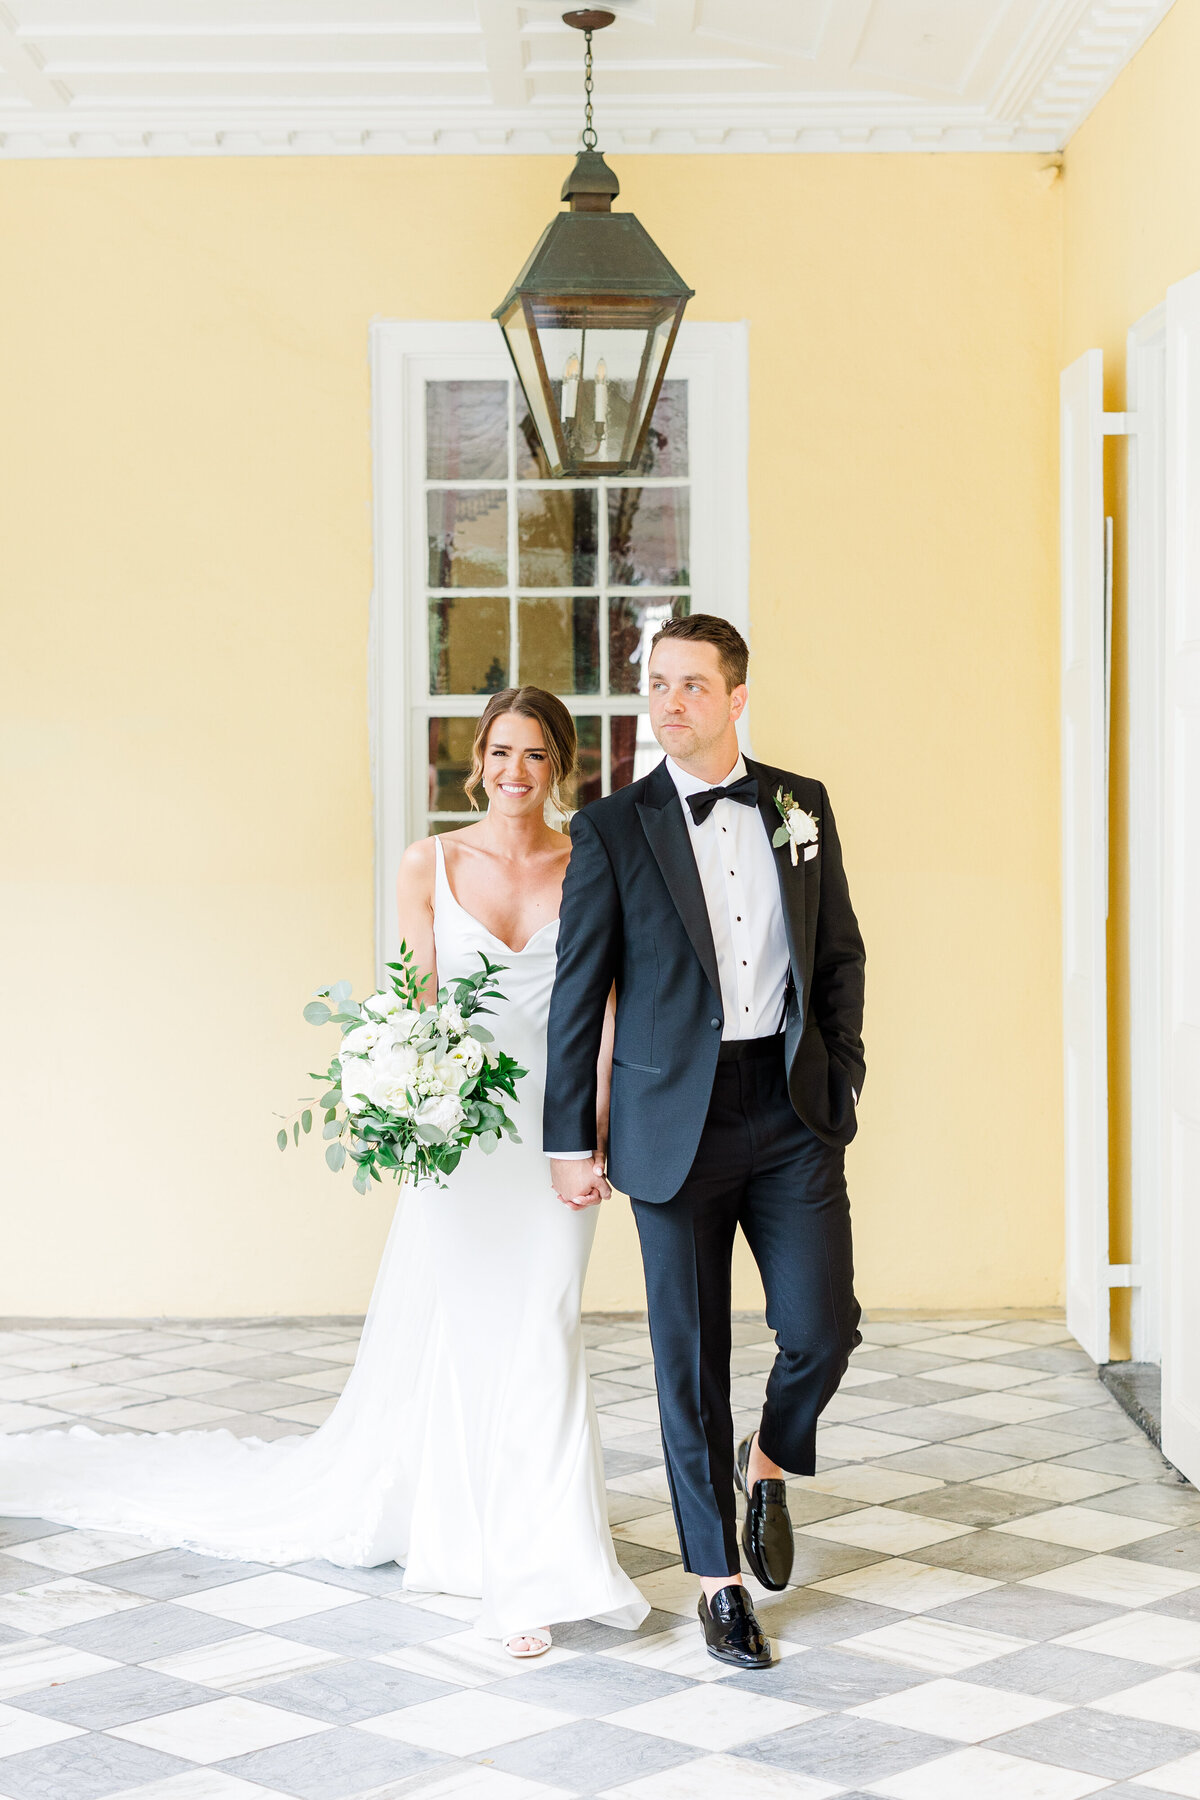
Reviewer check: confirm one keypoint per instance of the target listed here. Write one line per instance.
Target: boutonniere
(798, 827)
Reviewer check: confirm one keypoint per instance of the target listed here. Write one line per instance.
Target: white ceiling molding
(118, 78)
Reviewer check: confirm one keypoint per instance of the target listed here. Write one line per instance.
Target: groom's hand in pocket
(579, 1184)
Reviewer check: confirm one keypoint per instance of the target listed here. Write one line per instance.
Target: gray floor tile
(1138, 1458)
(169, 1573)
(929, 1422)
(592, 1685)
(910, 1390)
(808, 1617)
(837, 1749)
(331, 1766)
(896, 1361)
(1152, 1500)
(1098, 1743)
(1060, 1672)
(1098, 1424)
(589, 1755)
(1173, 1550)
(269, 1367)
(146, 1632)
(1025, 1612)
(85, 1768)
(23, 1531)
(345, 1692)
(114, 1697)
(15, 1574)
(1055, 1359)
(999, 1557)
(257, 1396)
(1179, 1606)
(1026, 1442)
(807, 1507)
(819, 1561)
(588, 1634)
(384, 1578)
(368, 1628)
(637, 1559)
(831, 1679)
(965, 1504)
(628, 1462)
(949, 1462)
(624, 1507)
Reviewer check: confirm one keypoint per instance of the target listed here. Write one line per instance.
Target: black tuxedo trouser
(760, 1167)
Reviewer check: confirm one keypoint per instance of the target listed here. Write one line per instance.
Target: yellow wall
(1131, 227)
(186, 572)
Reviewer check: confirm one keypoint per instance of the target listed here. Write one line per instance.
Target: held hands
(579, 1184)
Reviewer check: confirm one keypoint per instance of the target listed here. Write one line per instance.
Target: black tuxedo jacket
(633, 912)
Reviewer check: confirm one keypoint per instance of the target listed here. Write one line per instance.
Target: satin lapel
(667, 835)
(793, 883)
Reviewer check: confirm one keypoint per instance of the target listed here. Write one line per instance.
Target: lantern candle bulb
(601, 391)
(570, 387)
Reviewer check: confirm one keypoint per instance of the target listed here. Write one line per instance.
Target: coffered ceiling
(278, 77)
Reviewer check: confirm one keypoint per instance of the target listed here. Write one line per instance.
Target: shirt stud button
(715, 1023)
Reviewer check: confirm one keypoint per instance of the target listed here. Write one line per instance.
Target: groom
(737, 1067)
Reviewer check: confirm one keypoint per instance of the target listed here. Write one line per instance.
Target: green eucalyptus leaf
(296, 1131)
(281, 1139)
(306, 1119)
(317, 1013)
(335, 1156)
(780, 838)
(331, 1129)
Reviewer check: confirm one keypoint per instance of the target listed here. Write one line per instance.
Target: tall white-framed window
(488, 574)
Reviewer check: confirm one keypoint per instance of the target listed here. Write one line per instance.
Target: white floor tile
(202, 1784)
(712, 1718)
(266, 1600)
(656, 1531)
(466, 1659)
(878, 1528)
(25, 1731)
(870, 1484)
(682, 1651)
(239, 1663)
(613, 1428)
(217, 1729)
(847, 1408)
(306, 1412)
(856, 1443)
(1142, 1637)
(1004, 1406)
(649, 1484)
(1167, 1700)
(1113, 1581)
(907, 1586)
(470, 1781)
(54, 1605)
(939, 1646)
(724, 1778)
(988, 1775)
(1182, 1777)
(34, 1663)
(18, 1415)
(447, 1606)
(464, 1724)
(71, 1552)
(984, 1375)
(671, 1590)
(325, 1381)
(861, 1378)
(964, 1344)
(1029, 1331)
(1052, 1481)
(1082, 1528)
(958, 1709)
(164, 1415)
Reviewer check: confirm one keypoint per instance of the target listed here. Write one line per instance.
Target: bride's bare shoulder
(417, 870)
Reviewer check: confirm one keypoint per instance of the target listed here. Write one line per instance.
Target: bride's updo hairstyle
(558, 730)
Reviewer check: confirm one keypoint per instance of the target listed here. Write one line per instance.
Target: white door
(1085, 851)
(1181, 874)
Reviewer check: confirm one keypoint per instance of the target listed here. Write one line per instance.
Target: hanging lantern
(591, 319)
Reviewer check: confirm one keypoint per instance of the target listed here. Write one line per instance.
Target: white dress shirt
(741, 891)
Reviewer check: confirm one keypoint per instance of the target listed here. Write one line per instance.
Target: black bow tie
(744, 791)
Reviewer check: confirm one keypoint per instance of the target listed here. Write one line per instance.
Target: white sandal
(541, 1639)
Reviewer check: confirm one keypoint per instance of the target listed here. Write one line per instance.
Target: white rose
(445, 1113)
(391, 1092)
(384, 1006)
(362, 1080)
(402, 1026)
(395, 1062)
(802, 827)
(361, 1041)
(450, 1075)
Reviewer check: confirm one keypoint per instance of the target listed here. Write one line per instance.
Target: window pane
(665, 451)
(586, 787)
(633, 620)
(450, 743)
(466, 430)
(468, 537)
(648, 537)
(558, 644)
(556, 532)
(634, 750)
(438, 826)
(468, 646)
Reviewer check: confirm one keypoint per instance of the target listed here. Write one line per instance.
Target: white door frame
(1145, 397)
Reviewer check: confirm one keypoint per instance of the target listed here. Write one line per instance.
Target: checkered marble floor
(997, 1597)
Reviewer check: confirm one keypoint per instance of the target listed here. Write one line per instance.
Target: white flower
(363, 1081)
(395, 1062)
(450, 1019)
(362, 1040)
(445, 1113)
(384, 1006)
(468, 1055)
(391, 1092)
(798, 826)
(403, 1025)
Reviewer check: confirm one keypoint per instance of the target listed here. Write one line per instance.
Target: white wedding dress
(465, 1444)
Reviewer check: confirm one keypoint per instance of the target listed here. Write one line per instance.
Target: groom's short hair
(733, 654)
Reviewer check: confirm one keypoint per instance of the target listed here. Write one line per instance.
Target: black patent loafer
(767, 1533)
(732, 1634)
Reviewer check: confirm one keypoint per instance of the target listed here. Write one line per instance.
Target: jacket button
(715, 1023)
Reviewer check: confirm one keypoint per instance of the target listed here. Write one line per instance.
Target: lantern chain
(589, 132)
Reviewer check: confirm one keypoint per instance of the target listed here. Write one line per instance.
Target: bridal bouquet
(411, 1084)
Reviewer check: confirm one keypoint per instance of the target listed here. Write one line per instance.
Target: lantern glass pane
(558, 643)
(466, 430)
(648, 536)
(596, 405)
(468, 537)
(521, 346)
(556, 537)
(468, 645)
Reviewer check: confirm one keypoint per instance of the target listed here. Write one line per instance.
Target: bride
(465, 1444)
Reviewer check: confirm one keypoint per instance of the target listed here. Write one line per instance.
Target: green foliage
(378, 1142)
